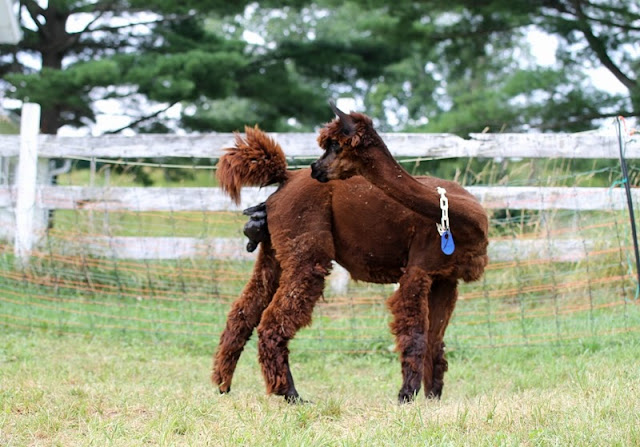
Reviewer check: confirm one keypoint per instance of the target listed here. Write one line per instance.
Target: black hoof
(296, 400)
(405, 397)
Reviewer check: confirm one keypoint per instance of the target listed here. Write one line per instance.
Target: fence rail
(111, 199)
(161, 261)
(29, 200)
(303, 145)
(164, 248)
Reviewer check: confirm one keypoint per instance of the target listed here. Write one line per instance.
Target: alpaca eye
(335, 147)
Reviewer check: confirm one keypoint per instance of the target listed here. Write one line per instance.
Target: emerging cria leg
(256, 228)
(245, 315)
(410, 312)
(442, 301)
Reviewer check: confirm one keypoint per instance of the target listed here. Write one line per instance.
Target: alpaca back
(255, 160)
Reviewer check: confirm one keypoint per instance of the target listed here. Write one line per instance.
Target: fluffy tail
(256, 160)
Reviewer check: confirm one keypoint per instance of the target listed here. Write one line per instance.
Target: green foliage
(461, 66)
(200, 60)
(51, 88)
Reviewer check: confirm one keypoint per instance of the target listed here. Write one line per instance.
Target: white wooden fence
(26, 202)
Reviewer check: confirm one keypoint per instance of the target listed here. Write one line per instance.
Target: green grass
(92, 356)
(7, 126)
(93, 390)
(151, 223)
(132, 175)
(98, 351)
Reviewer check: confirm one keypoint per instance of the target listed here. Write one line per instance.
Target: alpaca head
(347, 141)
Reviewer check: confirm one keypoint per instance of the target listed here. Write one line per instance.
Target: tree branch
(615, 10)
(75, 37)
(119, 27)
(622, 26)
(107, 28)
(624, 19)
(34, 11)
(600, 49)
(141, 119)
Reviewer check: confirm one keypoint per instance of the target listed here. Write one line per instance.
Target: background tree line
(459, 66)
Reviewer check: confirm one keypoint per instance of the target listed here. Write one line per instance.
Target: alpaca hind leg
(410, 318)
(442, 301)
(244, 316)
(301, 284)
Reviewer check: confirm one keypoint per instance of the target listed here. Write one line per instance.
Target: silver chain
(443, 226)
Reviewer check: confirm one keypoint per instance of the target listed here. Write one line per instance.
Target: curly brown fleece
(360, 226)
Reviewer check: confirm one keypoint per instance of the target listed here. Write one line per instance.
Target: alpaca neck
(384, 172)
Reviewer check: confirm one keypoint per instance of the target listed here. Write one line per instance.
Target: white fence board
(303, 145)
(552, 198)
(159, 248)
(213, 199)
(164, 248)
(297, 145)
(146, 199)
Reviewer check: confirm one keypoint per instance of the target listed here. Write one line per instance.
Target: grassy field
(81, 390)
(99, 351)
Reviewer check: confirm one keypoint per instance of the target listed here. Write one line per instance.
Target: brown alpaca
(376, 238)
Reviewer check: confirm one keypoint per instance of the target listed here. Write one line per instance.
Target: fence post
(26, 181)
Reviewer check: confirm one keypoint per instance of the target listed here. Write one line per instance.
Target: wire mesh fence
(557, 274)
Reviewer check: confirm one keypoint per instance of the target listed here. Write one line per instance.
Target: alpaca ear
(348, 125)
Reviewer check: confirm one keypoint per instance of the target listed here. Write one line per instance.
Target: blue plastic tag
(446, 243)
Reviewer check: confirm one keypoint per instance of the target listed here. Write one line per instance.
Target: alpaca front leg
(410, 311)
(442, 301)
(300, 287)
(244, 316)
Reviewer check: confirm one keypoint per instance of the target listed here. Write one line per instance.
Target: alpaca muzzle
(318, 173)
